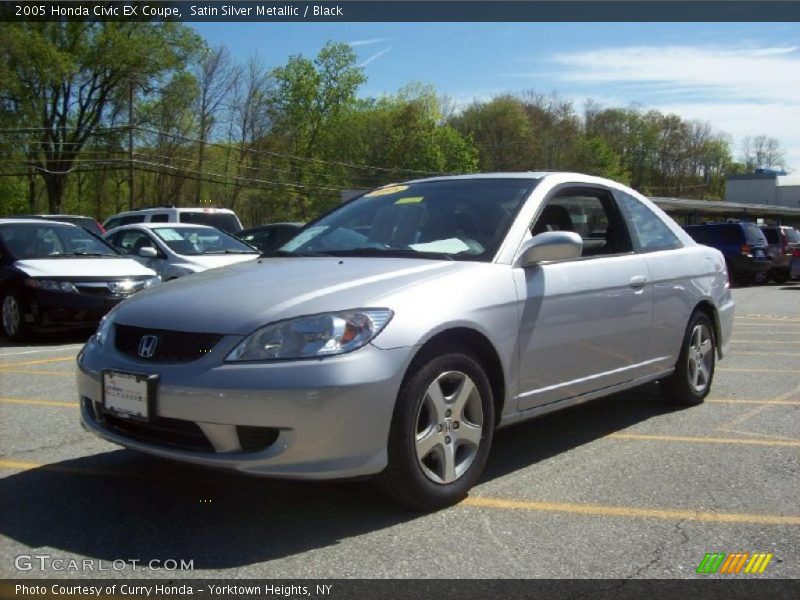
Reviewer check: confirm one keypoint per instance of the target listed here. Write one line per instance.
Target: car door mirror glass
(148, 252)
(549, 246)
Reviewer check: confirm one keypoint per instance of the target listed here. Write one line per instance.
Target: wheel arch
(479, 345)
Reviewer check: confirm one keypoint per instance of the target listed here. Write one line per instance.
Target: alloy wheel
(11, 316)
(449, 427)
(700, 357)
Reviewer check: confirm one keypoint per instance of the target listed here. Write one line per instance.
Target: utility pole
(130, 145)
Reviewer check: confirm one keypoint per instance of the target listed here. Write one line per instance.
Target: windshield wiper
(289, 254)
(390, 253)
(74, 254)
(231, 252)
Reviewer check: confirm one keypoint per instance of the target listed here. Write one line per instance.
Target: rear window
(754, 235)
(792, 235)
(224, 221)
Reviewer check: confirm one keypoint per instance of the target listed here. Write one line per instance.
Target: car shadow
(124, 505)
(49, 339)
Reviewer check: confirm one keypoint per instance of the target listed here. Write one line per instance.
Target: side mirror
(549, 246)
(148, 252)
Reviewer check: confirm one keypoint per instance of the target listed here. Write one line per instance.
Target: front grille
(171, 346)
(161, 431)
(256, 438)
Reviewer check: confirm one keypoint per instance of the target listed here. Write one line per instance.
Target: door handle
(638, 282)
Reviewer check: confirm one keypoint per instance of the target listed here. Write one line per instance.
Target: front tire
(441, 432)
(690, 383)
(12, 315)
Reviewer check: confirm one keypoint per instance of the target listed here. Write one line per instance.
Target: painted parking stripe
(34, 402)
(762, 342)
(499, 503)
(42, 361)
(703, 439)
(630, 511)
(32, 372)
(59, 349)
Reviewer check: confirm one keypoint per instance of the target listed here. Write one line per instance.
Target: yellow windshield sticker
(385, 191)
(409, 200)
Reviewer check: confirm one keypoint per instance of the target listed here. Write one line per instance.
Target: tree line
(96, 118)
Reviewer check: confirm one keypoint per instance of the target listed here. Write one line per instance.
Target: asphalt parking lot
(626, 486)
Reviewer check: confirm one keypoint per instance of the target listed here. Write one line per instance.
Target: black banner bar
(410, 11)
(730, 588)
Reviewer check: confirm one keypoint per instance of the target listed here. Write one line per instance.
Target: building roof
(717, 207)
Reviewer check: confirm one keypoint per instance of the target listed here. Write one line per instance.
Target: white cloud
(740, 90)
(765, 74)
(368, 42)
(375, 57)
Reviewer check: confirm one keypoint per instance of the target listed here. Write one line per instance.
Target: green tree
(64, 77)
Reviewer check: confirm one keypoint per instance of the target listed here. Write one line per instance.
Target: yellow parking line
(774, 402)
(18, 465)
(28, 363)
(704, 440)
(38, 402)
(32, 372)
(630, 511)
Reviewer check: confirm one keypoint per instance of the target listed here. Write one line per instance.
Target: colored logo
(734, 563)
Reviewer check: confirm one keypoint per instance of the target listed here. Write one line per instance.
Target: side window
(112, 224)
(131, 219)
(130, 242)
(650, 232)
(592, 214)
(159, 218)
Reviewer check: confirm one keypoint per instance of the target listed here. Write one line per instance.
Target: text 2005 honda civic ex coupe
(392, 336)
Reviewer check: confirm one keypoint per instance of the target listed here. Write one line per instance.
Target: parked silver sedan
(176, 249)
(395, 334)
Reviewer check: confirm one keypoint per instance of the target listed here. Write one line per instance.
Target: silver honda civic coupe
(392, 336)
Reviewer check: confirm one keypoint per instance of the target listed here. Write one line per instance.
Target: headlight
(313, 336)
(104, 329)
(51, 285)
(150, 282)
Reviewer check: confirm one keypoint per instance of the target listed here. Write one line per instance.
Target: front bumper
(62, 310)
(330, 417)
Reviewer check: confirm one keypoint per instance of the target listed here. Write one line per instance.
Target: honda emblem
(147, 346)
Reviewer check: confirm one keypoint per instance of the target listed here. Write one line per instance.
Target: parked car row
(753, 253)
(51, 277)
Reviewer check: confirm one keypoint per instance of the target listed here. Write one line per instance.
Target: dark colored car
(88, 223)
(744, 246)
(269, 237)
(60, 276)
(783, 241)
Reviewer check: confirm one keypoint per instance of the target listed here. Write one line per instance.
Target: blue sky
(744, 78)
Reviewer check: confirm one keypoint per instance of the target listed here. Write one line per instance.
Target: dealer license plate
(129, 395)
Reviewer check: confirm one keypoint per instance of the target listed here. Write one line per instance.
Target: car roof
(164, 225)
(497, 175)
(268, 225)
(175, 208)
(55, 217)
(8, 220)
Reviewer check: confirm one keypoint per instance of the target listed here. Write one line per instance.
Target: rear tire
(441, 432)
(12, 315)
(690, 383)
(780, 276)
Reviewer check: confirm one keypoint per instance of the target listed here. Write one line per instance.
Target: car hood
(82, 267)
(243, 297)
(212, 261)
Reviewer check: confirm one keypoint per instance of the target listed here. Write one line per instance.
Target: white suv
(221, 218)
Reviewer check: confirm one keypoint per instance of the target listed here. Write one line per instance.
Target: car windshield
(51, 240)
(196, 241)
(464, 219)
(224, 221)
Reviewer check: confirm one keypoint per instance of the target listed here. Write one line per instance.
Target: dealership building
(768, 188)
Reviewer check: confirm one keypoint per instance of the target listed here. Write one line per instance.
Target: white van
(221, 218)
